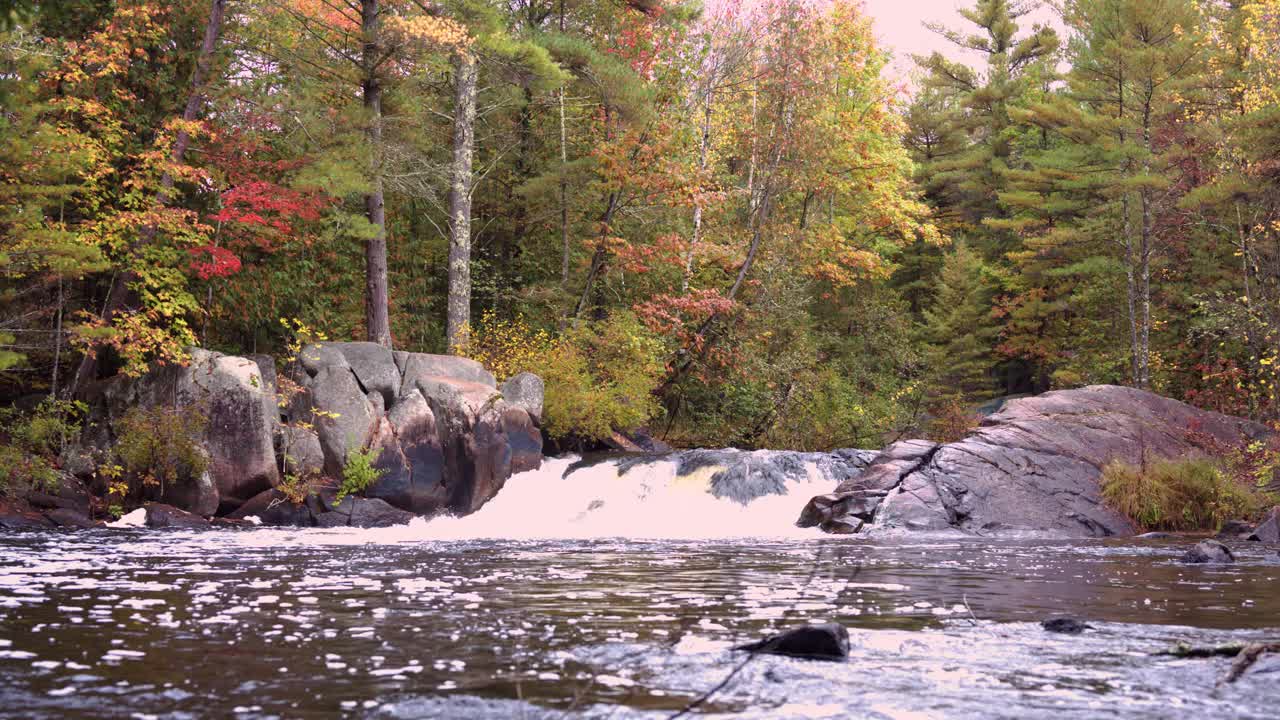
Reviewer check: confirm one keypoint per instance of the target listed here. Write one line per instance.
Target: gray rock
(345, 418)
(241, 423)
(1235, 529)
(271, 507)
(445, 438)
(1035, 465)
(78, 461)
(16, 518)
(814, 642)
(364, 513)
(1209, 551)
(316, 356)
(1268, 531)
(411, 458)
(68, 518)
(374, 367)
(161, 516)
(525, 391)
(301, 451)
(417, 366)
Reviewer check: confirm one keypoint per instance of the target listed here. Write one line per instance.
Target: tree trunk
(458, 322)
(1130, 266)
(376, 309)
(119, 292)
(564, 195)
(1147, 249)
(704, 142)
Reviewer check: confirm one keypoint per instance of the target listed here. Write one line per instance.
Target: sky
(899, 25)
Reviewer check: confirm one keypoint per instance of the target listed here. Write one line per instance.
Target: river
(627, 607)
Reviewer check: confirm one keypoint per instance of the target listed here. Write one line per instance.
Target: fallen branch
(1245, 660)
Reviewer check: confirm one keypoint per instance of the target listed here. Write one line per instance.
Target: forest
(727, 222)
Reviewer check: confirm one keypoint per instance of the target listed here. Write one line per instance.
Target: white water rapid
(652, 498)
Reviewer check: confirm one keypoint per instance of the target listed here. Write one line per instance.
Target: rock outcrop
(1033, 466)
(1267, 531)
(241, 420)
(446, 439)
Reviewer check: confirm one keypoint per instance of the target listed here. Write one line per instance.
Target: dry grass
(1178, 495)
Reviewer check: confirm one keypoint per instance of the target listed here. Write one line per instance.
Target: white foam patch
(137, 518)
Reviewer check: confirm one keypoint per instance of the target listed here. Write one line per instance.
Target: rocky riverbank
(1034, 466)
(442, 434)
(443, 438)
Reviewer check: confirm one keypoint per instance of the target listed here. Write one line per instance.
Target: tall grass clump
(1178, 495)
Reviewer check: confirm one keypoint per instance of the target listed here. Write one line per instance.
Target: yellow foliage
(507, 346)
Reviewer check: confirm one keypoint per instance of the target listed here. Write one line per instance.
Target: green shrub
(359, 473)
(600, 377)
(30, 443)
(161, 445)
(1192, 494)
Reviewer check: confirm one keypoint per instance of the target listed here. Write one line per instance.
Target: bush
(161, 445)
(1192, 494)
(359, 473)
(951, 421)
(600, 376)
(507, 347)
(30, 443)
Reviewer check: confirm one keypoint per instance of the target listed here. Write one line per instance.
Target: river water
(589, 596)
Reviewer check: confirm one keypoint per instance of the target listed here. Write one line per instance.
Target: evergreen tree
(959, 330)
(983, 98)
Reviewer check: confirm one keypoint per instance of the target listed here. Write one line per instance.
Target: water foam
(613, 499)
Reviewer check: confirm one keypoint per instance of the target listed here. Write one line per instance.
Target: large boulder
(241, 420)
(271, 507)
(161, 516)
(1033, 466)
(445, 438)
(1268, 531)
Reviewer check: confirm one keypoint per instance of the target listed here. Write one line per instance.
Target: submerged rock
(1033, 466)
(1209, 551)
(1065, 625)
(815, 642)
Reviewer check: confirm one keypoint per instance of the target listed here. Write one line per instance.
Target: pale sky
(899, 26)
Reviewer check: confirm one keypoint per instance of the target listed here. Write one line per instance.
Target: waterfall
(697, 494)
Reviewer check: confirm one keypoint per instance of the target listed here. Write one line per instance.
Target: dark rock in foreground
(814, 642)
(13, 517)
(1034, 466)
(167, 516)
(1065, 625)
(1210, 552)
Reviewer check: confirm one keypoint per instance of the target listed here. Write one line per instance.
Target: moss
(1179, 495)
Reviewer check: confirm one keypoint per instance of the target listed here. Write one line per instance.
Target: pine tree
(982, 101)
(959, 330)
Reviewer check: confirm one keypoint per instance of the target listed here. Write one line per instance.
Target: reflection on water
(276, 623)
